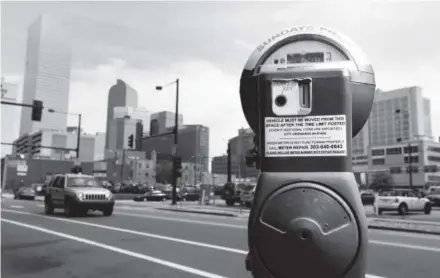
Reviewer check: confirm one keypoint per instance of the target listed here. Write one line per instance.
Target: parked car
(155, 195)
(402, 201)
(25, 193)
(247, 195)
(39, 188)
(189, 193)
(367, 197)
(433, 194)
(232, 192)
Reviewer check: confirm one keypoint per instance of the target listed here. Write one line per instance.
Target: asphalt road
(157, 244)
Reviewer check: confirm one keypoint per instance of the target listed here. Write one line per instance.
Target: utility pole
(122, 165)
(228, 151)
(410, 170)
(78, 139)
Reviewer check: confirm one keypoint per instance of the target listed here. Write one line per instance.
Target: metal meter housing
(309, 48)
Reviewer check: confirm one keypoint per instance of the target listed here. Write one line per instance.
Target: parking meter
(306, 92)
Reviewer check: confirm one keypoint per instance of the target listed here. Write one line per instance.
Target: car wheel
(48, 207)
(68, 209)
(379, 212)
(403, 209)
(230, 203)
(427, 209)
(108, 212)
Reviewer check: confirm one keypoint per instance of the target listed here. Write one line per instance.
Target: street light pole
(78, 136)
(176, 136)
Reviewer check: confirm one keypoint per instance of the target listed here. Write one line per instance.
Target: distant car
(367, 198)
(402, 201)
(155, 195)
(189, 193)
(39, 188)
(25, 193)
(433, 195)
(77, 194)
(247, 195)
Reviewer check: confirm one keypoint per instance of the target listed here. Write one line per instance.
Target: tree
(382, 180)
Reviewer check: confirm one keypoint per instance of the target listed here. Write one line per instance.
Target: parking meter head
(306, 49)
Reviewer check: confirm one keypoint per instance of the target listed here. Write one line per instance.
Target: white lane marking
(118, 250)
(404, 234)
(190, 242)
(184, 220)
(404, 245)
(147, 235)
(16, 206)
(40, 205)
(409, 221)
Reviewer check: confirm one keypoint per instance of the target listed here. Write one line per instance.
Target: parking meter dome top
(338, 51)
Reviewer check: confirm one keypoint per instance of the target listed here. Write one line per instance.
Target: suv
(76, 194)
(247, 195)
(402, 201)
(433, 195)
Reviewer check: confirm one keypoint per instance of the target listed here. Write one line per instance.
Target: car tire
(68, 209)
(427, 209)
(248, 204)
(230, 203)
(108, 212)
(402, 209)
(48, 207)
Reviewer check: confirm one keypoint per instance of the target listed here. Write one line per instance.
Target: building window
(433, 178)
(394, 151)
(378, 152)
(378, 161)
(414, 149)
(395, 170)
(414, 159)
(434, 158)
(434, 149)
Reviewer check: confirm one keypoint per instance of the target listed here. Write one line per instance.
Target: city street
(151, 243)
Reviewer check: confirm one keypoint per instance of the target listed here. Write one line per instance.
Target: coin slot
(304, 92)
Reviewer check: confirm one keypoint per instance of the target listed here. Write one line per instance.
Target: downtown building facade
(162, 121)
(399, 118)
(47, 74)
(239, 146)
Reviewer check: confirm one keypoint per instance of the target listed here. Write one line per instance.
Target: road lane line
(183, 220)
(189, 242)
(142, 234)
(16, 206)
(404, 245)
(117, 250)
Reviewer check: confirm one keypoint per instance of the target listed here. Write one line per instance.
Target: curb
(375, 227)
(199, 212)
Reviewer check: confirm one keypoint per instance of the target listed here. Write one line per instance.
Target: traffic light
(37, 110)
(130, 141)
(177, 166)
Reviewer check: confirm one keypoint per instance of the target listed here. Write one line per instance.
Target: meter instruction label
(306, 136)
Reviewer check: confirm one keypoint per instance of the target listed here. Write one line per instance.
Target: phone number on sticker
(327, 146)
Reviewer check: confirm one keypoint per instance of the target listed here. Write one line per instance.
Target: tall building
(121, 129)
(162, 121)
(120, 95)
(239, 146)
(397, 116)
(10, 115)
(193, 145)
(47, 74)
(134, 113)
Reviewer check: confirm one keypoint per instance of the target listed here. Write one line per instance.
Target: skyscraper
(162, 121)
(47, 73)
(134, 113)
(120, 95)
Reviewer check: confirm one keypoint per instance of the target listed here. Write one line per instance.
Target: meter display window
(297, 58)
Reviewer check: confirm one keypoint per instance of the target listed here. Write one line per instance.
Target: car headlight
(108, 195)
(80, 196)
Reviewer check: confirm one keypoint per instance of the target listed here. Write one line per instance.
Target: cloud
(208, 95)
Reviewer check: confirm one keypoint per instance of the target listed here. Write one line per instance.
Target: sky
(206, 44)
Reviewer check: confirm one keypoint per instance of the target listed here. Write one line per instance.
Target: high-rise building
(162, 121)
(120, 95)
(239, 146)
(134, 113)
(47, 74)
(121, 129)
(397, 116)
(10, 115)
(193, 145)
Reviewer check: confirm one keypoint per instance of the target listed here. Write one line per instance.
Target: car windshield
(82, 182)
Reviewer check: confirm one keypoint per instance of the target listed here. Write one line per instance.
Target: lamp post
(176, 132)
